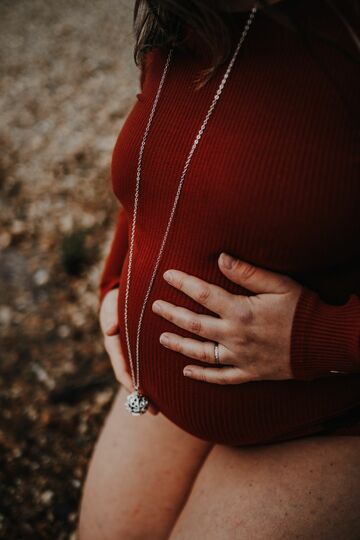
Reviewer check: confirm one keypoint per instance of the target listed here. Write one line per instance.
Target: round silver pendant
(136, 403)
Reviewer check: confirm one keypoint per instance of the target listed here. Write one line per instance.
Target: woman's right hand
(109, 324)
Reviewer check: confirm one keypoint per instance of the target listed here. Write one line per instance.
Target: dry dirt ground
(67, 81)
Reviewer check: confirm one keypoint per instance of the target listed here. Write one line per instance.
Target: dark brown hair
(164, 23)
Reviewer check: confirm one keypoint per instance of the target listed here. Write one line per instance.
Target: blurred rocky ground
(67, 81)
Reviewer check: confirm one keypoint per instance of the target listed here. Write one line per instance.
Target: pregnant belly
(255, 412)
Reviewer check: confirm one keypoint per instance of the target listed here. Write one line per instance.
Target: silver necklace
(137, 403)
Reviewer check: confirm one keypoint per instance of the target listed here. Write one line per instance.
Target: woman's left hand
(253, 332)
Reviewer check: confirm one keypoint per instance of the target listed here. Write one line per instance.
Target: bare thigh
(302, 489)
(139, 476)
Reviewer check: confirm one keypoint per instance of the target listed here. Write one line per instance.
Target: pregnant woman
(230, 297)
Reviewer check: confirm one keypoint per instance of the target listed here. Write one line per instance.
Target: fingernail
(227, 260)
(164, 340)
(167, 275)
(187, 372)
(156, 307)
(112, 330)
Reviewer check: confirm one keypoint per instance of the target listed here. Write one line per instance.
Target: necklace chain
(135, 378)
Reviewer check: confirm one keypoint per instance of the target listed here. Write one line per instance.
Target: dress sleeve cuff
(324, 338)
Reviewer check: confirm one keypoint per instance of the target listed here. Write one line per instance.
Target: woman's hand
(108, 316)
(253, 332)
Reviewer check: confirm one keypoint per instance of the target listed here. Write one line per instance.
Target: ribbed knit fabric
(274, 181)
(325, 338)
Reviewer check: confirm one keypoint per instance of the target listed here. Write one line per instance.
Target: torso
(273, 181)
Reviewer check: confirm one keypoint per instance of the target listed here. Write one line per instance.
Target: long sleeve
(114, 261)
(325, 338)
(275, 181)
(119, 246)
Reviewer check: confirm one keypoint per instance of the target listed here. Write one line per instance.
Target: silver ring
(216, 354)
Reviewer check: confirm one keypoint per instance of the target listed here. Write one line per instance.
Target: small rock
(66, 223)
(88, 220)
(17, 452)
(41, 277)
(5, 315)
(102, 398)
(42, 375)
(78, 318)
(18, 228)
(76, 483)
(82, 428)
(5, 240)
(64, 331)
(46, 497)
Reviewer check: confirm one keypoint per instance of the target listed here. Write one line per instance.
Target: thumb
(253, 278)
(112, 329)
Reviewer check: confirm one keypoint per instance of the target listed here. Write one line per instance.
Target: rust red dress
(274, 181)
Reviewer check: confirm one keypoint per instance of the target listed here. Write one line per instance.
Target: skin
(253, 332)
(139, 476)
(108, 318)
(307, 489)
(149, 480)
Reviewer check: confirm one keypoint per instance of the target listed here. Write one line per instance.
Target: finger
(123, 378)
(112, 330)
(253, 278)
(226, 375)
(211, 296)
(193, 348)
(108, 311)
(202, 325)
(109, 321)
(113, 348)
